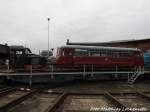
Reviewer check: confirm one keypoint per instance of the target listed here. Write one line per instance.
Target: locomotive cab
(64, 56)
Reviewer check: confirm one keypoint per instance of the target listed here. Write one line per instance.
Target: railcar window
(94, 53)
(61, 51)
(103, 53)
(58, 51)
(115, 54)
(131, 54)
(126, 54)
(81, 52)
(67, 53)
(123, 54)
(109, 53)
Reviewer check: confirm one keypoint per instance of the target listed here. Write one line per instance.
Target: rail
(115, 101)
(9, 105)
(57, 104)
(143, 95)
(6, 90)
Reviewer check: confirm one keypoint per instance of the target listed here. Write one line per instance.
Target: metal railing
(132, 72)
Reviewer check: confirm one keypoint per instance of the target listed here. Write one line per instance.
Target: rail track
(79, 100)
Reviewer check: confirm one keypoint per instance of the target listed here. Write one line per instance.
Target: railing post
(30, 69)
(140, 69)
(135, 69)
(116, 68)
(92, 71)
(7, 64)
(52, 70)
(84, 72)
(30, 76)
(143, 69)
(128, 77)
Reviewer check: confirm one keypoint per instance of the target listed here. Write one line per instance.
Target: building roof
(107, 43)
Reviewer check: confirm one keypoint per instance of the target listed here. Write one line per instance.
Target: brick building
(143, 44)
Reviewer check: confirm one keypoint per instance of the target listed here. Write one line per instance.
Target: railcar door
(139, 59)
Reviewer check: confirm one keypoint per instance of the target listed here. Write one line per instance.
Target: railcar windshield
(67, 52)
(58, 52)
(138, 54)
(61, 52)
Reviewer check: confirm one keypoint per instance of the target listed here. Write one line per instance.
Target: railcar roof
(100, 47)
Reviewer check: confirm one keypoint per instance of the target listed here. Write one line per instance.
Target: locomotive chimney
(67, 43)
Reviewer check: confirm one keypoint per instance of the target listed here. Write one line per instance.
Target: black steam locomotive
(20, 58)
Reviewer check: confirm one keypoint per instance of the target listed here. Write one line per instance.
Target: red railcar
(99, 56)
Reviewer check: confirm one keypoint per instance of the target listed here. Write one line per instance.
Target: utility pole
(48, 34)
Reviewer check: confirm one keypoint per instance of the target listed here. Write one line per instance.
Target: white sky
(24, 22)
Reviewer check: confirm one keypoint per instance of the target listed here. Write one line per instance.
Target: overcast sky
(24, 22)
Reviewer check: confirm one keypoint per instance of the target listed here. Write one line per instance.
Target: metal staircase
(138, 71)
